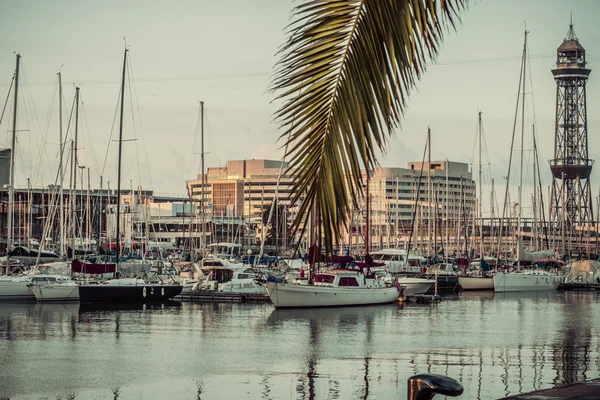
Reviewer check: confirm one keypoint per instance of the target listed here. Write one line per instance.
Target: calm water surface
(495, 345)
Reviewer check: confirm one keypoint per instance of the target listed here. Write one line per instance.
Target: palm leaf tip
(345, 75)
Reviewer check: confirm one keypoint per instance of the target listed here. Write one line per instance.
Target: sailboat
(481, 282)
(347, 283)
(531, 279)
(124, 289)
(13, 287)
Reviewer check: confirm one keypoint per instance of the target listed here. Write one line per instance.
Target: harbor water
(496, 345)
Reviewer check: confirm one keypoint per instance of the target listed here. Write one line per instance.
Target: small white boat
(410, 286)
(242, 282)
(54, 288)
(526, 281)
(415, 286)
(336, 287)
(476, 282)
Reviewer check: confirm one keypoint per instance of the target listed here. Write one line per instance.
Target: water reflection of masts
(313, 357)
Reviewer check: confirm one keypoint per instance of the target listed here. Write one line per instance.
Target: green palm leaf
(344, 76)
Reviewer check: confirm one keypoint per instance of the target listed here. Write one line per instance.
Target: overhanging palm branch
(344, 76)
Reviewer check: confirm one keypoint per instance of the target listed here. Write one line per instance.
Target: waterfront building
(245, 188)
(433, 200)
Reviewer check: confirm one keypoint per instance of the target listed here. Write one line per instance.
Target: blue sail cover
(485, 266)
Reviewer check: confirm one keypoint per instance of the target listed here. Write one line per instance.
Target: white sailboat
(532, 279)
(478, 282)
(13, 287)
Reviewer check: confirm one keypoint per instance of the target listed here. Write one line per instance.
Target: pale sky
(223, 52)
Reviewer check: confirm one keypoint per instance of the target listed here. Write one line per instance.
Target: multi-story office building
(444, 205)
(243, 188)
(440, 209)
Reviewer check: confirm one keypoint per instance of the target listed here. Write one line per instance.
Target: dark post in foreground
(426, 386)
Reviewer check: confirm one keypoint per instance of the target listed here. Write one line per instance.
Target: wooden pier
(221, 297)
(421, 299)
(589, 390)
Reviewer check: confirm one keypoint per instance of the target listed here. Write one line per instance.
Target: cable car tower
(571, 212)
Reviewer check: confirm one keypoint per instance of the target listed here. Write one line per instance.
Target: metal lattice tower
(571, 212)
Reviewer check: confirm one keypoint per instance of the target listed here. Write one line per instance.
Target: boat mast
(74, 194)
(62, 172)
(428, 191)
(203, 177)
(11, 182)
(535, 208)
(118, 241)
(480, 195)
(520, 194)
(368, 212)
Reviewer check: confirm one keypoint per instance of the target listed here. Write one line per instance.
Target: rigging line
(196, 131)
(89, 132)
(208, 134)
(488, 163)
(112, 130)
(417, 200)
(260, 74)
(28, 97)
(7, 98)
(506, 191)
(135, 145)
(439, 148)
(137, 103)
(46, 130)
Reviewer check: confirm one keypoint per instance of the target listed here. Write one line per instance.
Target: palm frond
(344, 76)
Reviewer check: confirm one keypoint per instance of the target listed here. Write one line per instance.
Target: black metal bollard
(425, 386)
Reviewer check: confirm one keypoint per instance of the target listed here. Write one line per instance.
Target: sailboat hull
(127, 294)
(284, 295)
(15, 288)
(521, 282)
(56, 292)
(476, 283)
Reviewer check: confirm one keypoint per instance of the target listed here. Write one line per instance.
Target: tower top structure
(570, 58)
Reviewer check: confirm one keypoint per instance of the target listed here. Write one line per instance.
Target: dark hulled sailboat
(121, 290)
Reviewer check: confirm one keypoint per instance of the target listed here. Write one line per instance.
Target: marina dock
(579, 286)
(221, 297)
(589, 390)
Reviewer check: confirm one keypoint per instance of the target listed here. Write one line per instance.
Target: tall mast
(535, 208)
(428, 191)
(11, 183)
(62, 171)
(520, 195)
(480, 195)
(368, 212)
(74, 195)
(88, 233)
(118, 241)
(203, 177)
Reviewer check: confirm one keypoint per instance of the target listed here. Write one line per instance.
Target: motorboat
(242, 282)
(350, 285)
(411, 286)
